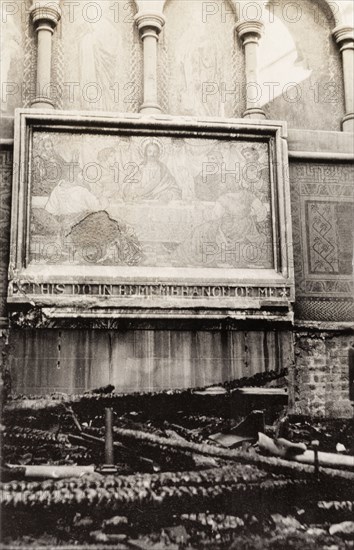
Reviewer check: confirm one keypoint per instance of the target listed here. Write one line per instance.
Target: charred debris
(217, 467)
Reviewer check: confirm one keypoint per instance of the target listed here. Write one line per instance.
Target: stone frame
(63, 293)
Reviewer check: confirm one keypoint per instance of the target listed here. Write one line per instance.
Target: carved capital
(348, 123)
(255, 112)
(45, 15)
(249, 31)
(344, 36)
(42, 103)
(149, 23)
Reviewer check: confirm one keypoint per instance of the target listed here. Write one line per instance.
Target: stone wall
(42, 361)
(303, 55)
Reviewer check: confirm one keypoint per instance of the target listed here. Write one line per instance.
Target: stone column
(250, 32)
(344, 36)
(45, 16)
(150, 26)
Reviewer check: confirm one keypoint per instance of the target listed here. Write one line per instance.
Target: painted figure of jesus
(154, 181)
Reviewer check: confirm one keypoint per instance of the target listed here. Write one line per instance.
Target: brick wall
(321, 374)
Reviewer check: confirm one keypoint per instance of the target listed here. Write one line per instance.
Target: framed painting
(136, 216)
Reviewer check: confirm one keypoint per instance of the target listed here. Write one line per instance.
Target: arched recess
(300, 66)
(200, 60)
(100, 56)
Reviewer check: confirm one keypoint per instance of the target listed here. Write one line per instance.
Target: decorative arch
(231, 3)
(155, 6)
(304, 62)
(336, 9)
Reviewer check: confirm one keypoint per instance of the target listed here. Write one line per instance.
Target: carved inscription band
(126, 290)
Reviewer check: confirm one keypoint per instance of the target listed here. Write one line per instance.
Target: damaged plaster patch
(106, 237)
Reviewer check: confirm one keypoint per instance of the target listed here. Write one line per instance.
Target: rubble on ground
(175, 486)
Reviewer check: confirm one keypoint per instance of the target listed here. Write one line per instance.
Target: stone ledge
(319, 141)
(310, 141)
(324, 326)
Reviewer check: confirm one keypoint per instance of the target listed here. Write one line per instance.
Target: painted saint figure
(200, 70)
(96, 46)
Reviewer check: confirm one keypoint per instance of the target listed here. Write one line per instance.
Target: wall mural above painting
(300, 72)
(101, 57)
(134, 213)
(16, 67)
(168, 202)
(201, 62)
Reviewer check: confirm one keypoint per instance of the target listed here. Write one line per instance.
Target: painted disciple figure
(48, 168)
(107, 184)
(180, 166)
(255, 175)
(223, 240)
(115, 168)
(210, 183)
(154, 180)
(69, 198)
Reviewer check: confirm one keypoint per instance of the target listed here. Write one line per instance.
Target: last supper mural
(150, 201)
